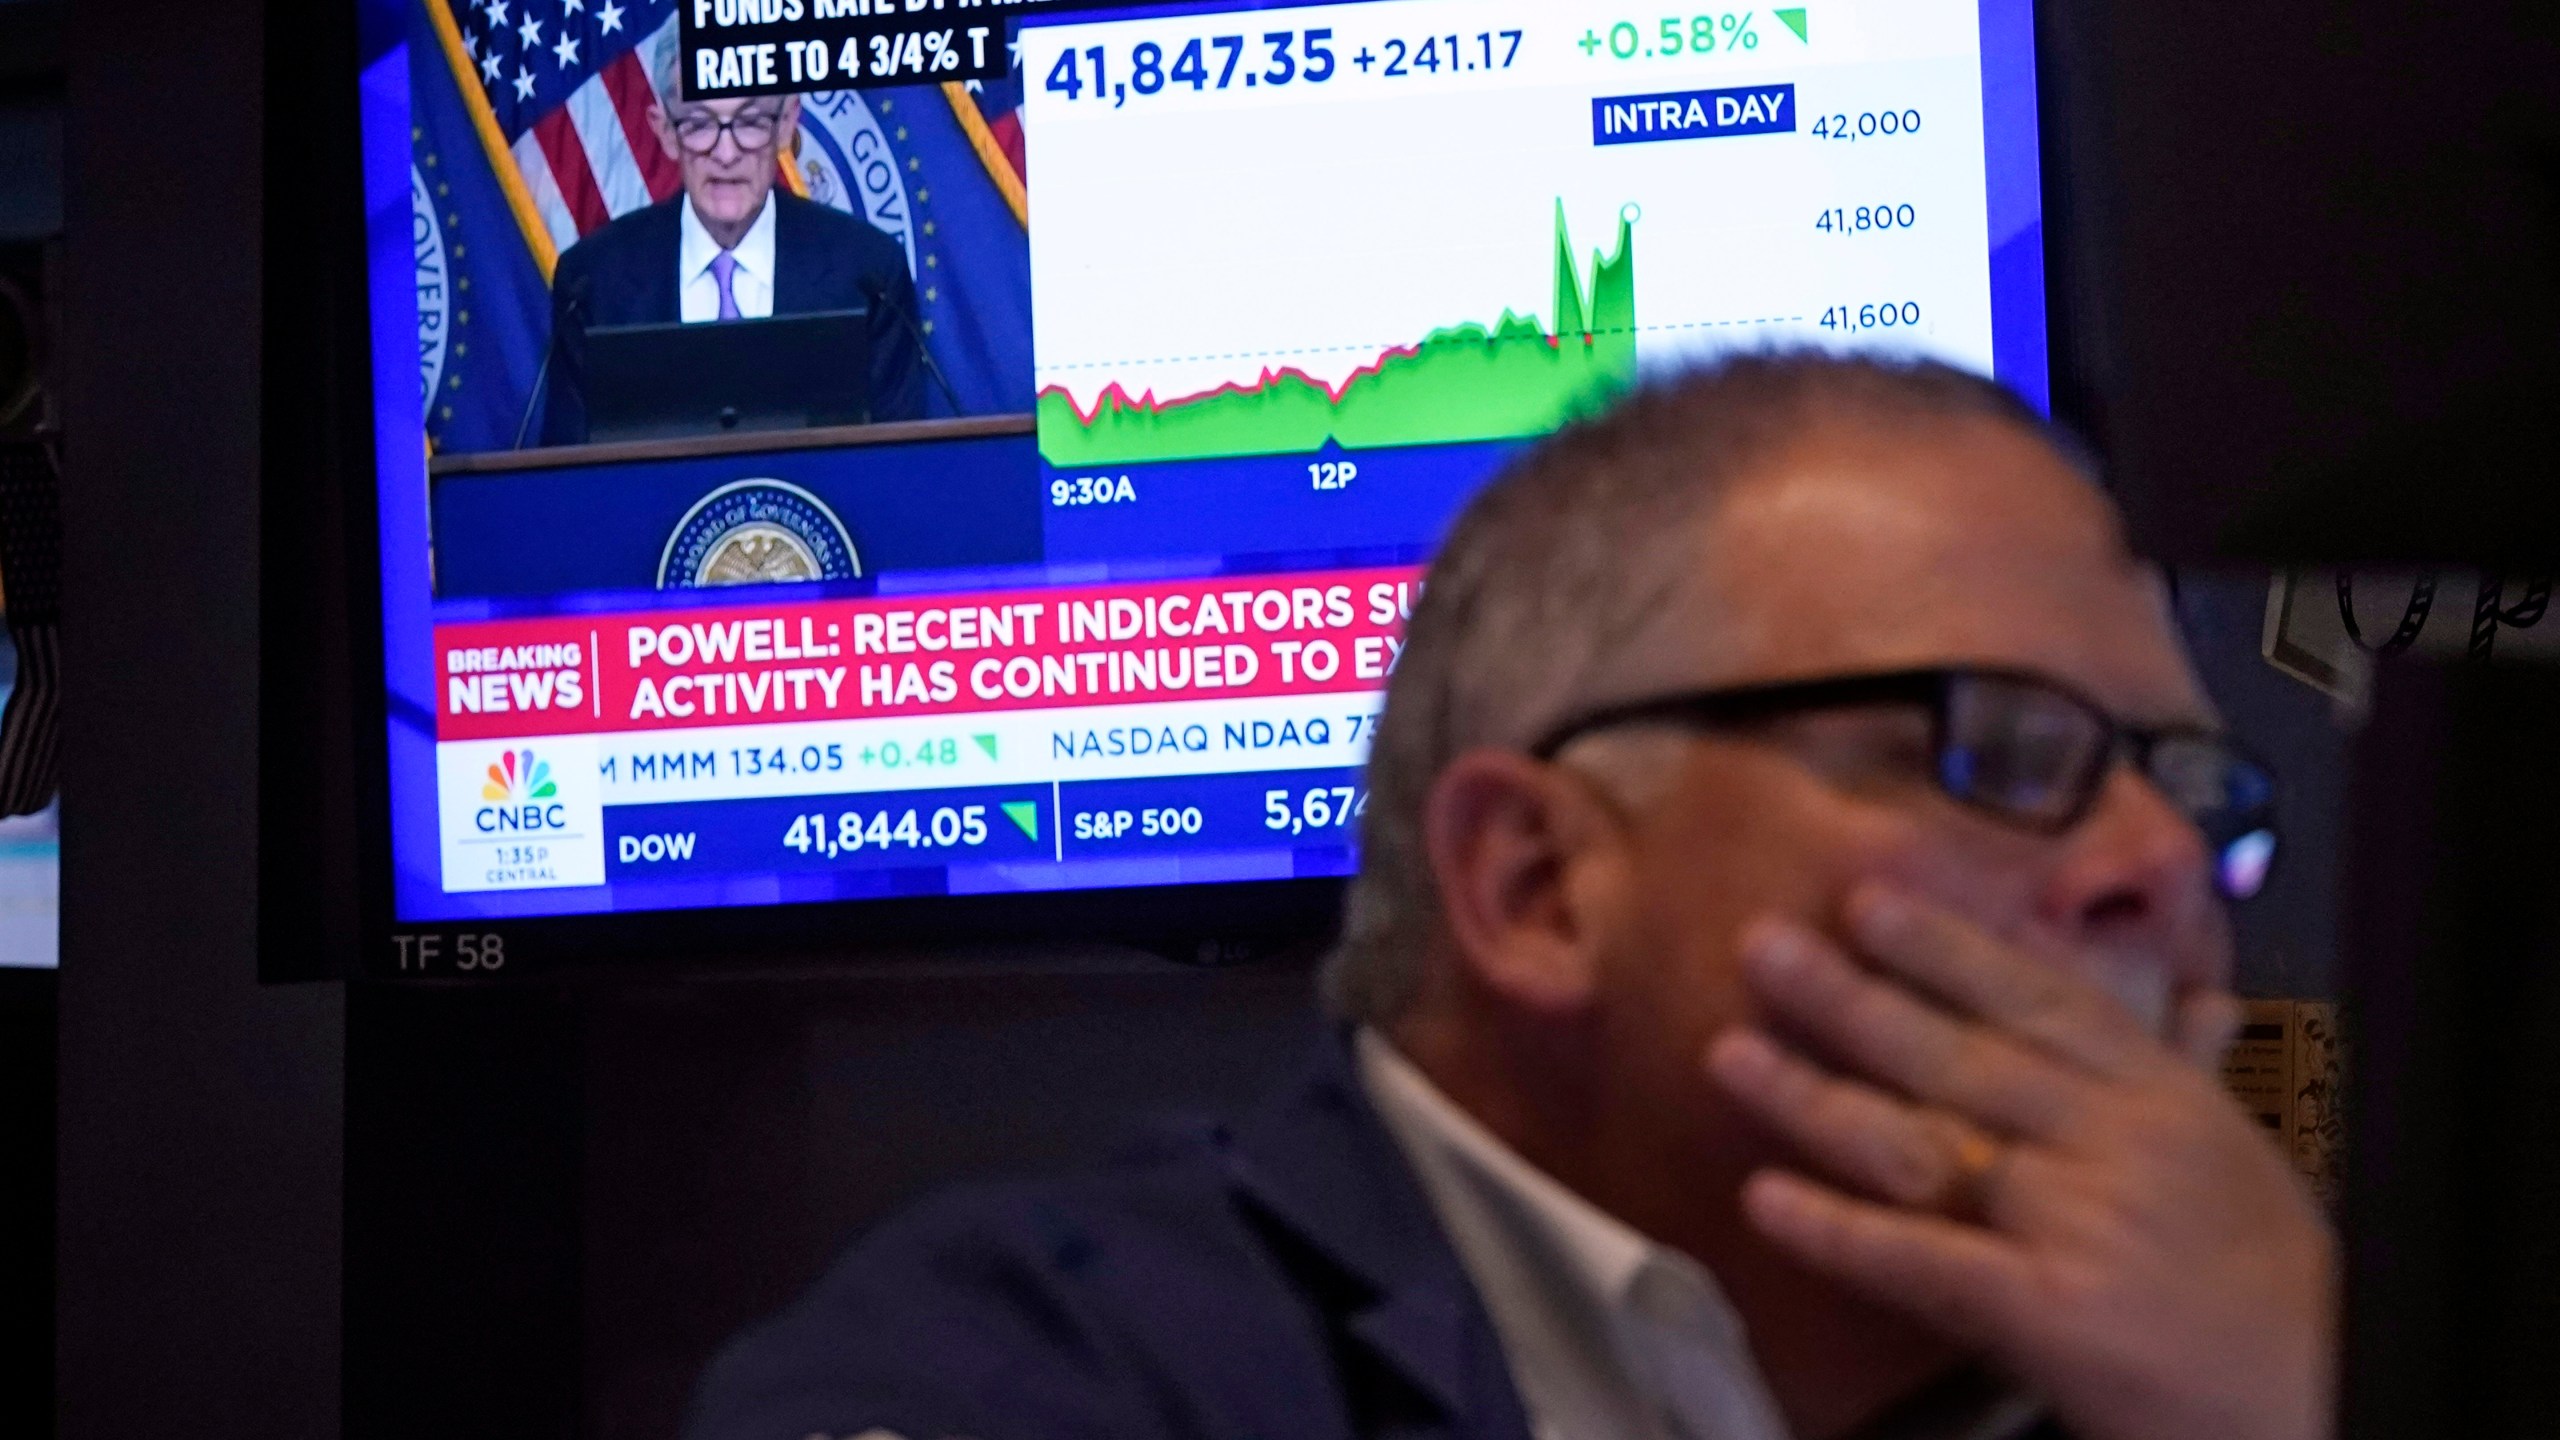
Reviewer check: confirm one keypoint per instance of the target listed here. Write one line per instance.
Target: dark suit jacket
(1283, 1279)
(823, 259)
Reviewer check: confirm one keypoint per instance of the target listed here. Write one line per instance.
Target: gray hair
(666, 74)
(1554, 573)
(666, 68)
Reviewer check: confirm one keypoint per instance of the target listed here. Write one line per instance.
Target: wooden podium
(917, 494)
(734, 442)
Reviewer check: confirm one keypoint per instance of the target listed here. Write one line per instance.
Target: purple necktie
(723, 266)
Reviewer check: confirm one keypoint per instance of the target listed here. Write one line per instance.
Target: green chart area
(1463, 383)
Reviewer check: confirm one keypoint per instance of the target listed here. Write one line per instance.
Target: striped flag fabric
(568, 84)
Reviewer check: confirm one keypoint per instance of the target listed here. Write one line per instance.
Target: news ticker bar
(559, 810)
(858, 757)
(922, 657)
(1056, 823)
(548, 844)
(848, 757)
(734, 49)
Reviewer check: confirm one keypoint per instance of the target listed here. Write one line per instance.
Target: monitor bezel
(325, 831)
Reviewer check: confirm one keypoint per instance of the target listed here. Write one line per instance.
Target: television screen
(942, 455)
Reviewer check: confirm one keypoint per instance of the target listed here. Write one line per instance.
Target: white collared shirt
(751, 284)
(1610, 1335)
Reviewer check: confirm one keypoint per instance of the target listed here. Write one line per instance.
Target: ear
(786, 136)
(1531, 864)
(665, 130)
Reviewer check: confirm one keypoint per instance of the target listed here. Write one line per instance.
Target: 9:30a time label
(1074, 492)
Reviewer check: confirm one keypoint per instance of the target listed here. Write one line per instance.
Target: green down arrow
(1025, 814)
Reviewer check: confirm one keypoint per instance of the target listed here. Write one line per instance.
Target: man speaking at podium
(729, 248)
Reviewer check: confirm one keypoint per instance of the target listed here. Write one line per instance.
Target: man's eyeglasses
(2016, 746)
(700, 131)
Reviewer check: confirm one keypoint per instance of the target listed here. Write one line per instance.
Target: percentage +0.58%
(1671, 36)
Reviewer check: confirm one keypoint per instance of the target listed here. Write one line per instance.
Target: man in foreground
(1781, 992)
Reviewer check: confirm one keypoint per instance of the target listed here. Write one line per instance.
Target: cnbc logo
(522, 796)
(518, 814)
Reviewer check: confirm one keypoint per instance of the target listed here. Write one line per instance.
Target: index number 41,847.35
(1290, 55)
(1281, 57)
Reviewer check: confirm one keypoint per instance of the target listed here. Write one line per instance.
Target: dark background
(31, 106)
(2297, 241)
(200, 1115)
(317, 1209)
(704, 1147)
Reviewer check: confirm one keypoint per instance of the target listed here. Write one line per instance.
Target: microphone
(950, 397)
(575, 307)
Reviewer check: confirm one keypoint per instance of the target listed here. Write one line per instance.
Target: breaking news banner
(733, 49)
(1323, 633)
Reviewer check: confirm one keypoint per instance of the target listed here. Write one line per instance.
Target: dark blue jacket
(1283, 1279)
(625, 274)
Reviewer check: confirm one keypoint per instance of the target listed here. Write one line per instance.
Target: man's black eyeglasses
(2014, 745)
(700, 131)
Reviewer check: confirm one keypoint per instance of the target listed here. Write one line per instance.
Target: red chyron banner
(1214, 639)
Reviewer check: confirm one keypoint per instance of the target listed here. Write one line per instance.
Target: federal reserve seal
(757, 532)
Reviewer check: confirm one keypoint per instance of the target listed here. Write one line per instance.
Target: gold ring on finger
(1977, 1160)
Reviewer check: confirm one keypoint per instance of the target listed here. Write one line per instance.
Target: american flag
(568, 81)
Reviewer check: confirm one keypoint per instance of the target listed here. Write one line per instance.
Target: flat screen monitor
(1187, 329)
(671, 380)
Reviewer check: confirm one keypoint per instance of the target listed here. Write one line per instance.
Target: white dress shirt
(1610, 1335)
(751, 284)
